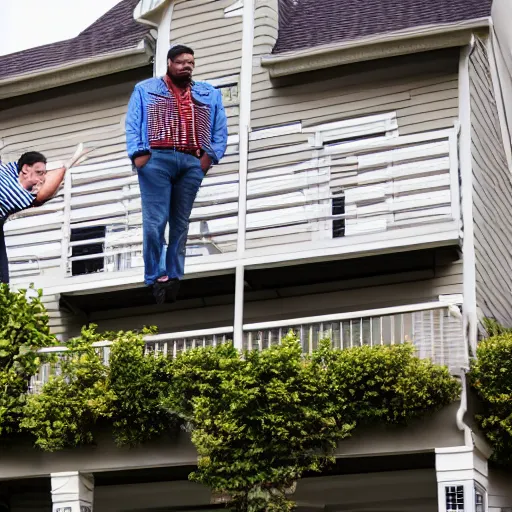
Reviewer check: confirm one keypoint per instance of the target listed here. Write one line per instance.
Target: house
(365, 194)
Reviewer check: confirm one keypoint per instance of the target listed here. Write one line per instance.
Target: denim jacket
(147, 93)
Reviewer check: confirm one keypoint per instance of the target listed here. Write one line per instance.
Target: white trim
(66, 223)
(276, 131)
(411, 40)
(224, 81)
(492, 42)
(244, 119)
(239, 306)
(153, 338)
(147, 12)
(187, 334)
(466, 169)
(411, 308)
(235, 9)
(388, 142)
(350, 123)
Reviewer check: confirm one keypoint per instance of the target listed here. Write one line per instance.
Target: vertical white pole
(468, 246)
(244, 127)
(66, 223)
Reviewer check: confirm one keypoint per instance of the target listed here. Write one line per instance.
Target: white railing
(435, 329)
(309, 196)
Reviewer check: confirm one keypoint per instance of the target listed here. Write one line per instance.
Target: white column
(157, 14)
(462, 479)
(243, 146)
(72, 492)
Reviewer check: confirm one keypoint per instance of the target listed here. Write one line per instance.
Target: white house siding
(55, 126)
(492, 195)
(296, 179)
(216, 38)
(500, 490)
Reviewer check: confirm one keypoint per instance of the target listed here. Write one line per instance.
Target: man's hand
(79, 156)
(141, 161)
(206, 163)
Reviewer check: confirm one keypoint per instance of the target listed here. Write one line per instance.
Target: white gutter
(413, 40)
(76, 70)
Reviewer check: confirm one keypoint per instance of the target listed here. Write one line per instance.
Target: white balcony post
(238, 331)
(462, 479)
(66, 223)
(72, 492)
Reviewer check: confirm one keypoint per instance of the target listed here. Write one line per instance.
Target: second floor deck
(337, 190)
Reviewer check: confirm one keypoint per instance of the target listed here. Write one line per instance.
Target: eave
(77, 70)
(379, 46)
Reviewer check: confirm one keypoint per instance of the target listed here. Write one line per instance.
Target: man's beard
(180, 81)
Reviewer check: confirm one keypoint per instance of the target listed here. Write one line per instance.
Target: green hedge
(259, 420)
(491, 377)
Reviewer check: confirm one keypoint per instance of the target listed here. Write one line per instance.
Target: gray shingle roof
(309, 23)
(114, 31)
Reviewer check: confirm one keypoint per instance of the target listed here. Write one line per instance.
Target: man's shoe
(166, 291)
(159, 292)
(171, 291)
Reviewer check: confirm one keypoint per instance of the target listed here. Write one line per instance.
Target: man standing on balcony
(24, 184)
(176, 129)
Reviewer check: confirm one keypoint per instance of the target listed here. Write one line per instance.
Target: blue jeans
(168, 187)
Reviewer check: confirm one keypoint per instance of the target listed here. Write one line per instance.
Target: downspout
(244, 127)
(469, 312)
(463, 409)
(470, 319)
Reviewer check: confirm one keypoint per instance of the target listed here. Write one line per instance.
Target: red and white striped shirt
(178, 122)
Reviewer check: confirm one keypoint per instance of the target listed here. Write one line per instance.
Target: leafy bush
(491, 377)
(384, 384)
(69, 405)
(23, 329)
(138, 382)
(260, 421)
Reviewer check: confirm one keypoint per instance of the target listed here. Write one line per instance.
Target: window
(84, 243)
(454, 498)
(479, 499)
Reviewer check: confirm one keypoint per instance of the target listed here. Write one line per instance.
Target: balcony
(435, 329)
(341, 190)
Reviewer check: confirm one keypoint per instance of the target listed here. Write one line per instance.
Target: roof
(114, 31)
(310, 23)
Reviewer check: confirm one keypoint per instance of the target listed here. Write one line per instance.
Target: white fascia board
(149, 12)
(391, 44)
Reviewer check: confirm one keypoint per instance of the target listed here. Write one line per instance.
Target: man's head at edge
(32, 170)
(180, 64)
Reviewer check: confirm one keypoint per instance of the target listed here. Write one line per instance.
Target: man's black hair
(30, 158)
(179, 49)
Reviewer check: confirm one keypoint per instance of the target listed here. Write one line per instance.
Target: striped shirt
(178, 122)
(13, 197)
